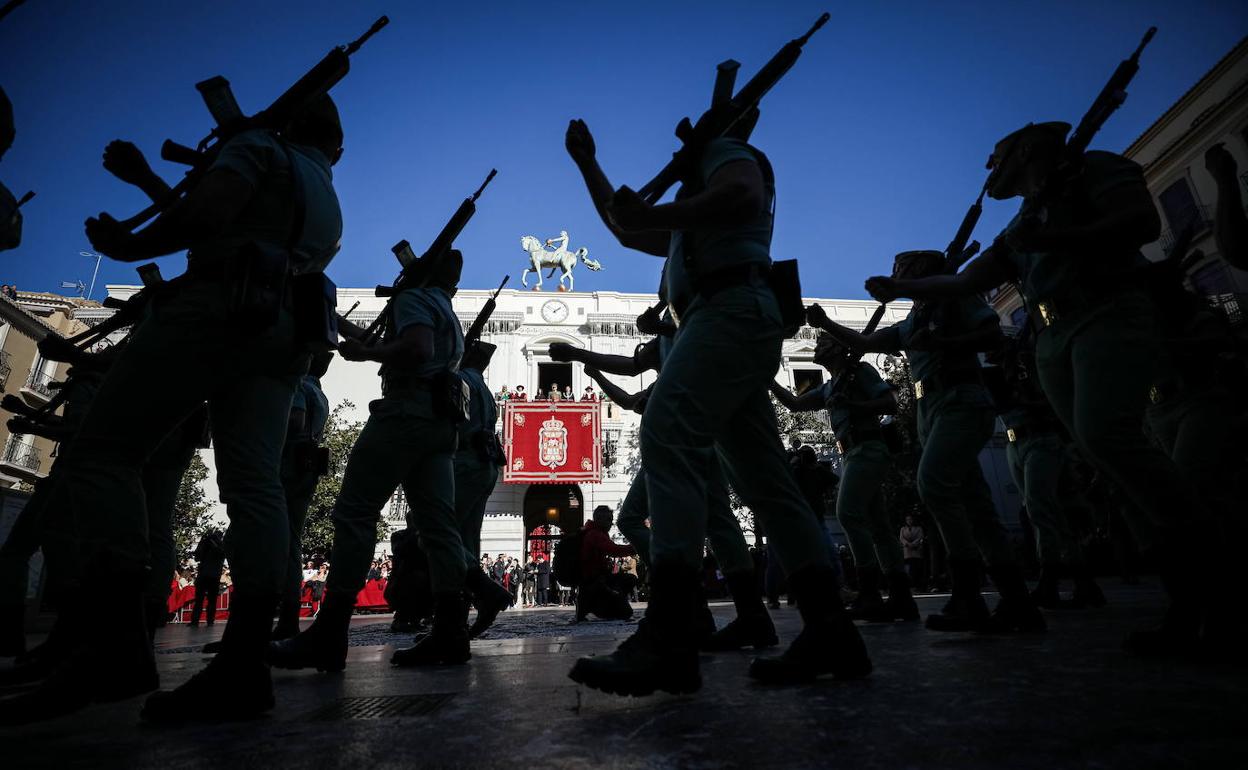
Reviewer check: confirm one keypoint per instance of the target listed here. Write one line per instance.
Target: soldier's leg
(952, 437)
(723, 530)
(474, 482)
(863, 471)
(162, 478)
(15, 554)
(633, 514)
(299, 484)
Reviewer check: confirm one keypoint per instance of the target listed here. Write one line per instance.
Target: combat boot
(829, 642)
(12, 631)
(1181, 574)
(1015, 611)
(900, 603)
(489, 598)
(236, 684)
(662, 654)
(965, 610)
(114, 663)
(287, 618)
(868, 602)
(447, 643)
(705, 627)
(1045, 593)
(752, 627)
(323, 645)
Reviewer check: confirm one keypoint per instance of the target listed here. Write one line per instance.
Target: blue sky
(878, 136)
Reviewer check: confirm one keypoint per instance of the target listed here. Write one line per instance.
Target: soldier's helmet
(1003, 161)
(918, 262)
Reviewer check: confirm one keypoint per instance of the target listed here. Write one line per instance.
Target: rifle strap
(299, 199)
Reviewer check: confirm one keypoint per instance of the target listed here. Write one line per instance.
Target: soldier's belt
(945, 380)
(393, 385)
(851, 439)
(1031, 430)
(749, 273)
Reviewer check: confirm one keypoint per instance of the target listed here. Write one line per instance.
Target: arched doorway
(550, 510)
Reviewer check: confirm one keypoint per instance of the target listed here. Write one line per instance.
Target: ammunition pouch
(451, 396)
(942, 381)
(314, 300)
(255, 284)
(786, 285)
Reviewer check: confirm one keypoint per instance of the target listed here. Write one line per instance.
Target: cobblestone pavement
(1068, 698)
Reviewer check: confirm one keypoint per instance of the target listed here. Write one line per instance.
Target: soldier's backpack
(566, 563)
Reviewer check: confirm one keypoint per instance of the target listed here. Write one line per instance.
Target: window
(1179, 205)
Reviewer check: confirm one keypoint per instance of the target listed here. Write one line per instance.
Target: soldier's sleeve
(977, 313)
(720, 152)
(250, 155)
(873, 386)
(889, 338)
(414, 308)
(1105, 172)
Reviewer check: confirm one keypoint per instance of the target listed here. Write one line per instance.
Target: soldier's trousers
(712, 393)
(22, 543)
(1039, 466)
(860, 508)
(1198, 431)
(401, 444)
(299, 483)
(474, 483)
(953, 425)
(162, 478)
(722, 528)
(189, 352)
(1096, 372)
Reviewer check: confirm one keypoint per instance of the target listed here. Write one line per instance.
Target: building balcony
(22, 458)
(6, 367)
(38, 385)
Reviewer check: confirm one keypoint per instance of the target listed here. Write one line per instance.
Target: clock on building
(554, 311)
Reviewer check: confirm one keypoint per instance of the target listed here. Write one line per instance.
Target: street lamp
(98, 257)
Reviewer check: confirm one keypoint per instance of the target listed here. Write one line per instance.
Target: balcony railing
(21, 453)
(6, 367)
(1198, 216)
(38, 381)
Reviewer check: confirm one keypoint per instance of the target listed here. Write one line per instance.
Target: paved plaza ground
(1068, 698)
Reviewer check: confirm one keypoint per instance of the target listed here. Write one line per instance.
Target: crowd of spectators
(554, 393)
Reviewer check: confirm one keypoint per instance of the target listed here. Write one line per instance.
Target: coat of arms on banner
(553, 443)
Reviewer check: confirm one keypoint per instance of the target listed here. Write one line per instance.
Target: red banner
(552, 442)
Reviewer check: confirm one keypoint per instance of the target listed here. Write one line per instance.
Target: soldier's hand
(108, 237)
(579, 142)
(592, 372)
(562, 352)
(628, 211)
(353, 350)
(649, 321)
(882, 288)
(124, 161)
(816, 315)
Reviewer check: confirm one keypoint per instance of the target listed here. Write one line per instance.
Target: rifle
(415, 272)
(725, 112)
(231, 121)
(483, 317)
(1111, 97)
(129, 311)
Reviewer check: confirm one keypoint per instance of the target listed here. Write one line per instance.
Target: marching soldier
(1097, 341)
(409, 439)
(752, 627)
(1043, 471)
(855, 398)
(711, 396)
(477, 460)
(247, 204)
(955, 420)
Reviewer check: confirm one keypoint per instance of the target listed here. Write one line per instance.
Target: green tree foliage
(190, 511)
(340, 435)
(901, 496)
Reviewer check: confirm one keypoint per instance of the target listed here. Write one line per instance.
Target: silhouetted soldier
(1043, 472)
(955, 419)
(1097, 342)
(752, 626)
(247, 205)
(209, 562)
(477, 460)
(855, 398)
(422, 341)
(711, 396)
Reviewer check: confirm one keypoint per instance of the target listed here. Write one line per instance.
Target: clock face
(554, 311)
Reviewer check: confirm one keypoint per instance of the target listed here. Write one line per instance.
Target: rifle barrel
(358, 43)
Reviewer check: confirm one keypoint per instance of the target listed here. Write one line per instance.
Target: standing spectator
(553, 394)
(530, 583)
(309, 572)
(504, 395)
(520, 394)
(912, 551)
(567, 393)
(515, 577)
(499, 570)
(543, 580)
(210, 561)
(589, 394)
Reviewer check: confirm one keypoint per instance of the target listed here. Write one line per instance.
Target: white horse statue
(561, 258)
